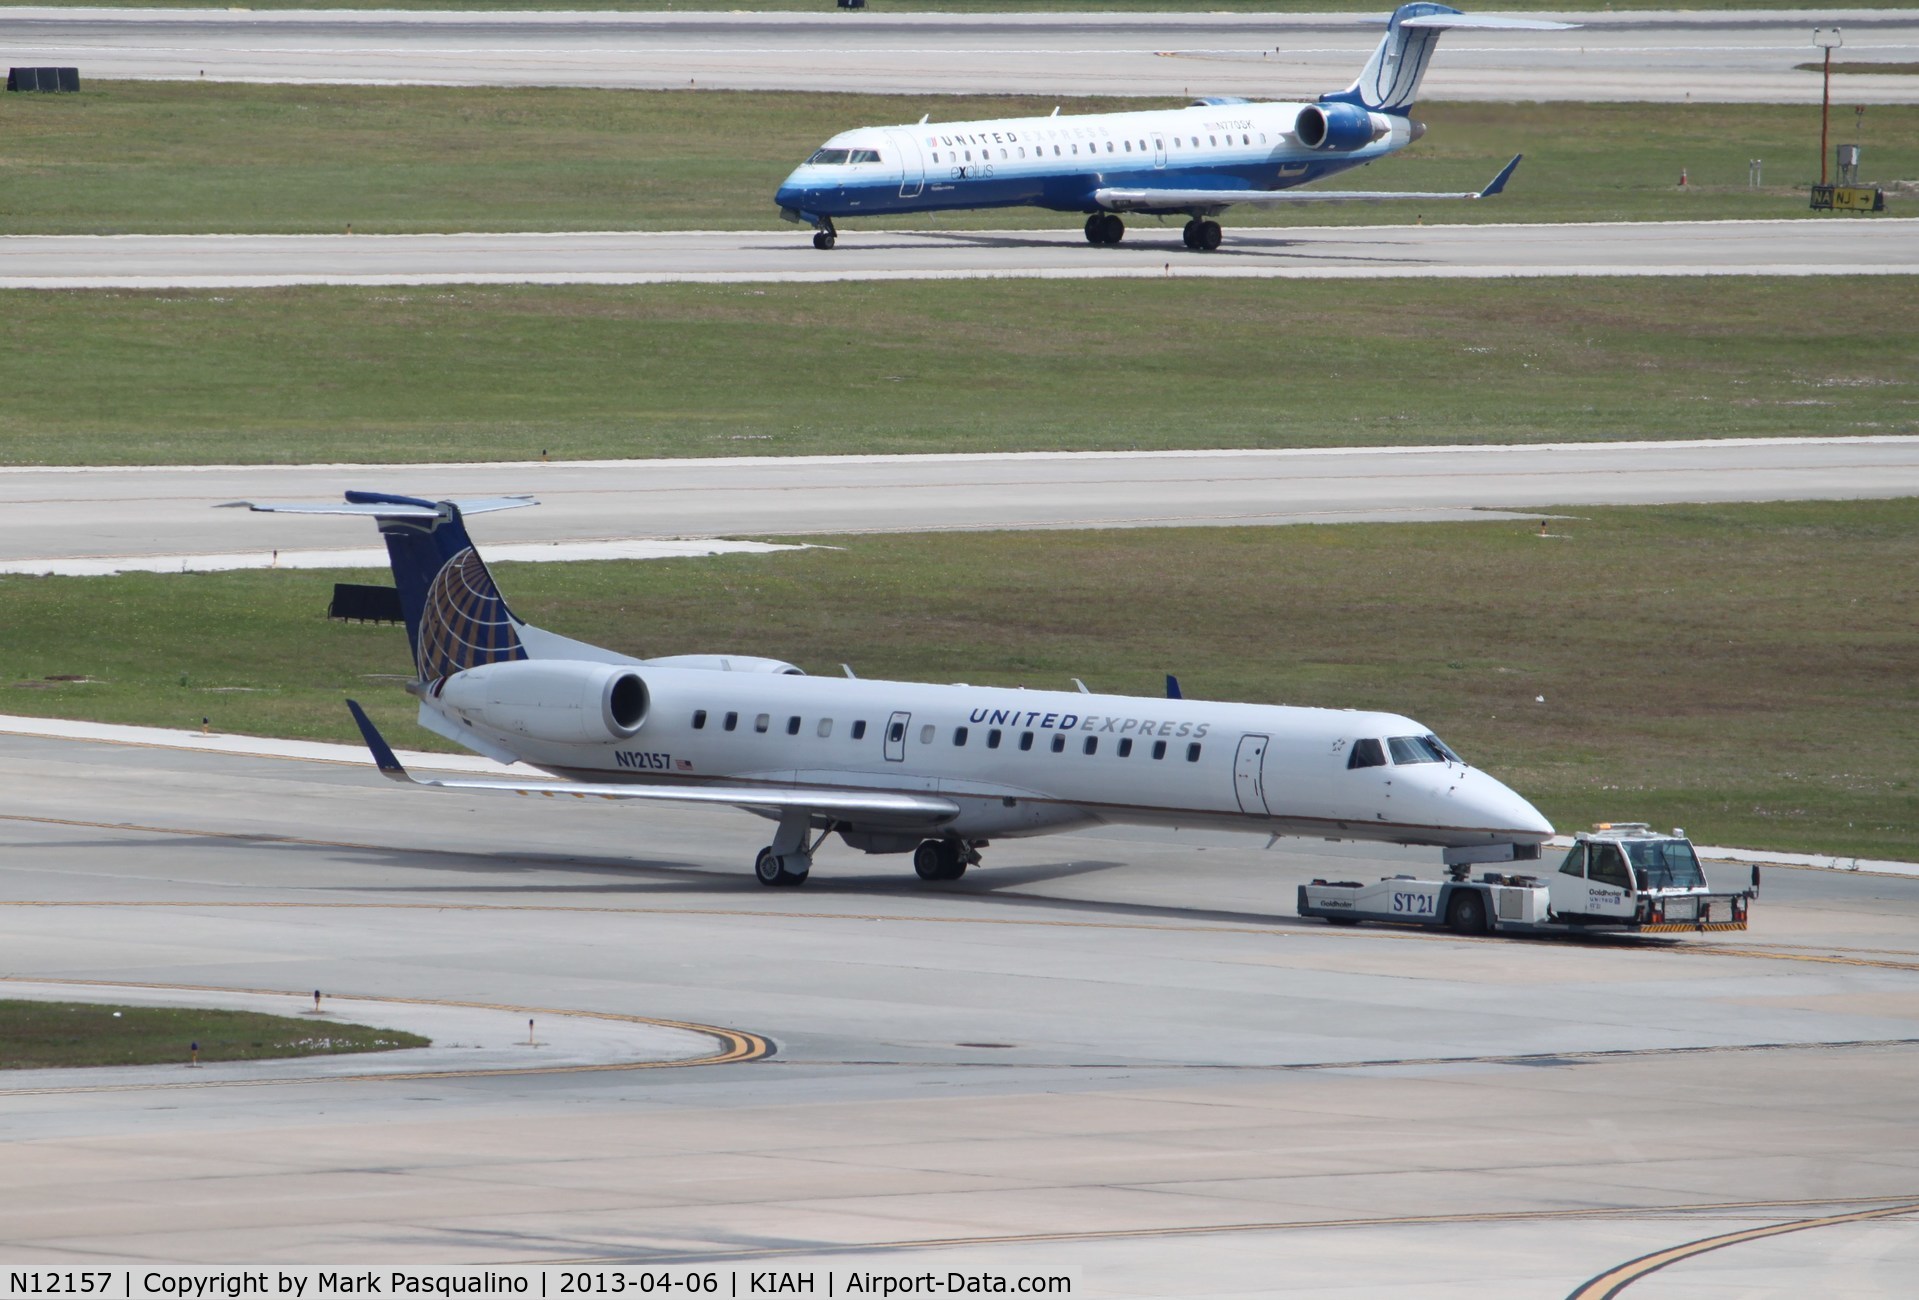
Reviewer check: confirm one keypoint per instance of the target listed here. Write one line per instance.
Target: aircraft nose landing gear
(826, 236)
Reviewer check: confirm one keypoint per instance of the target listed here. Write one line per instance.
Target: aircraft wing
(887, 805)
(1152, 200)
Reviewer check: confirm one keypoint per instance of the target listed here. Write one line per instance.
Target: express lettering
(1088, 722)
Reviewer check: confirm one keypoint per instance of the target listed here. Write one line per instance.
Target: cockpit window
(1666, 864)
(1419, 749)
(864, 156)
(1413, 749)
(828, 157)
(1367, 753)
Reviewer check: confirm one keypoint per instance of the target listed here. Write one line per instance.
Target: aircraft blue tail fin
(455, 616)
(1390, 81)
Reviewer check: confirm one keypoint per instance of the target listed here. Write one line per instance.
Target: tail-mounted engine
(1339, 128)
(560, 700)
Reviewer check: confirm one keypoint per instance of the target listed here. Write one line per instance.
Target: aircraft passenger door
(1159, 151)
(1249, 780)
(896, 737)
(912, 165)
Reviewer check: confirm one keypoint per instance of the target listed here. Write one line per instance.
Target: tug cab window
(829, 157)
(1607, 866)
(1575, 863)
(1666, 864)
(1367, 753)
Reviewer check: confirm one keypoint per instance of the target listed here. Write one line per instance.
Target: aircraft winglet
(1172, 688)
(1505, 174)
(383, 755)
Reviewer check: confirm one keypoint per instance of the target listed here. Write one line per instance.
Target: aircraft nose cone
(789, 195)
(1506, 810)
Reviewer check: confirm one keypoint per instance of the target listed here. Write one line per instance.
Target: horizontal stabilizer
(866, 805)
(1485, 22)
(383, 509)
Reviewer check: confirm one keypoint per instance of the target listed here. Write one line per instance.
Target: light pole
(1825, 38)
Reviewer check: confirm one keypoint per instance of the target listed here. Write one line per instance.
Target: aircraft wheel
(1112, 229)
(1207, 236)
(1096, 228)
(1191, 233)
(939, 860)
(823, 239)
(1467, 914)
(772, 869)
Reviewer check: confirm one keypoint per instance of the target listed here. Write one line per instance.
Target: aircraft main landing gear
(1105, 228)
(1202, 234)
(942, 859)
(785, 862)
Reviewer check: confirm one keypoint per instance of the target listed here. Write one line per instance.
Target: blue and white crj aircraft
(894, 767)
(1196, 161)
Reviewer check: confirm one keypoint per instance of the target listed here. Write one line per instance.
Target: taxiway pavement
(1119, 1054)
(165, 517)
(1151, 250)
(1677, 56)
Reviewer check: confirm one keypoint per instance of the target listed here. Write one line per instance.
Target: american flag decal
(682, 765)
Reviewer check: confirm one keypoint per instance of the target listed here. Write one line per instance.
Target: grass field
(50, 1035)
(189, 157)
(1748, 672)
(376, 374)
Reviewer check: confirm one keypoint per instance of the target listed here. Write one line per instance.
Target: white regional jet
(1195, 161)
(894, 767)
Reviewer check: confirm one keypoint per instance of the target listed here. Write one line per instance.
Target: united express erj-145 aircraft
(1195, 161)
(894, 767)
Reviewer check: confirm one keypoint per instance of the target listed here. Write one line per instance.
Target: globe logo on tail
(465, 622)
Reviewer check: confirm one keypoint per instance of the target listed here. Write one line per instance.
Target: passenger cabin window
(1059, 744)
(793, 725)
(1607, 866)
(926, 734)
(732, 721)
(959, 735)
(1366, 753)
(828, 157)
(992, 738)
(1575, 863)
(1126, 747)
(699, 719)
(1092, 744)
(1192, 752)
(1025, 741)
(825, 728)
(762, 722)
(1159, 749)
(859, 729)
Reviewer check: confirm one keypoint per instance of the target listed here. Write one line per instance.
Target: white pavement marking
(305, 751)
(1674, 56)
(373, 557)
(1798, 247)
(118, 514)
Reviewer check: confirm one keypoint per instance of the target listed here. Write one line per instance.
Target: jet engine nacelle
(1339, 128)
(561, 700)
(728, 664)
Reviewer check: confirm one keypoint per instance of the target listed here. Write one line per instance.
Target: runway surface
(1116, 1054)
(1152, 250)
(110, 515)
(1672, 57)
